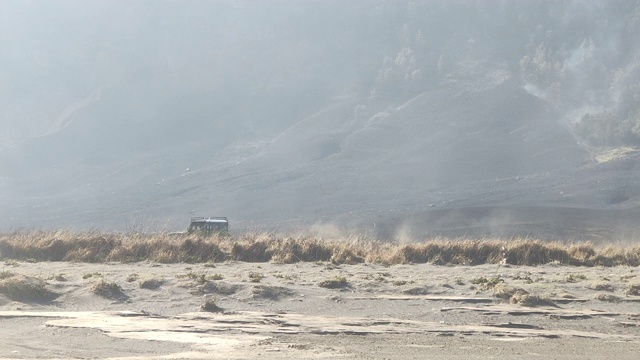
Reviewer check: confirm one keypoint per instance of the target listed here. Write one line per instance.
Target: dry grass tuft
(634, 290)
(418, 290)
(529, 300)
(255, 277)
(600, 286)
(487, 283)
(102, 247)
(197, 278)
(108, 290)
(220, 288)
(607, 297)
(507, 292)
(209, 305)
(573, 278)
(270, 292)
(151, 284)
(338, 282)
(25, 288)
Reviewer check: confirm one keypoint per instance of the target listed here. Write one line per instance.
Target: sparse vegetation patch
(255, 277)
(5, 274)
(487, 283)
(197, 278)
(57, 277)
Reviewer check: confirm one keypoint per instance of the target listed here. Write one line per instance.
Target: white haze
(283, 114)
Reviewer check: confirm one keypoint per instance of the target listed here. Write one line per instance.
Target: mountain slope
(284, 114)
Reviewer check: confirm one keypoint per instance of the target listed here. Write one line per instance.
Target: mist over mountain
(416, 117)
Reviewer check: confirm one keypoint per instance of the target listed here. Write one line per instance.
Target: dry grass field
(96, 247)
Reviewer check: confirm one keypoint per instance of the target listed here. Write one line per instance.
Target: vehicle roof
(210, 219)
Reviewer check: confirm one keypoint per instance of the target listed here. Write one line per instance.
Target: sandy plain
(281, 311)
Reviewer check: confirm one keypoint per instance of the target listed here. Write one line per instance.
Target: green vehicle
(206, 226)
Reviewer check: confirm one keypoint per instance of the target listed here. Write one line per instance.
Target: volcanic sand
(276, 311)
